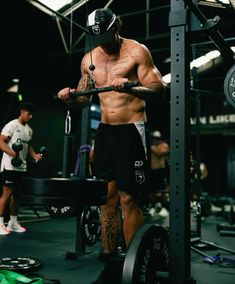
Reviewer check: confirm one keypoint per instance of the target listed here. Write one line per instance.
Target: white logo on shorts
(139, 176)
(138, 164)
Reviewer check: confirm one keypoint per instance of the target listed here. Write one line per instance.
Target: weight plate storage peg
(147, 256)
(229, 86)
(90, 225)
(20, 264)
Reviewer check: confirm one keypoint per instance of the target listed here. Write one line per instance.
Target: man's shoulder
(131, 41)
(9, 127)
(11, 123)
(134, 44)
(86, 60)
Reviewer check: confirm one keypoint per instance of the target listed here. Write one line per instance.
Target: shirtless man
(159, 152)
(120, 146)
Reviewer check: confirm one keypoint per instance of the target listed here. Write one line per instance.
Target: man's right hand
(76, 102)
(64, 94)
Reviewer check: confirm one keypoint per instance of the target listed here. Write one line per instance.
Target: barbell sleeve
(101, 90)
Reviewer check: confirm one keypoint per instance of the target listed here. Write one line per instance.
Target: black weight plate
(61, 211)
(60, 186)
(147, 253)
(229, 86)
(90, 225)
(64, 191)
(20, 264)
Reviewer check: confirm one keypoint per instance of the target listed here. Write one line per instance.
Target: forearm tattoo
(85, 83)
(110, 230)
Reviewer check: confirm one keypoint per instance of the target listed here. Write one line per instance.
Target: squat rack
(181, 13)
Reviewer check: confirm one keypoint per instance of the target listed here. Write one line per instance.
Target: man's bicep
(5, 137)
(147, 72)
(149, 76)
(85, 80)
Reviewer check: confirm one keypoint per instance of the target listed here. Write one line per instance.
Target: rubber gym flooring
(48, 239)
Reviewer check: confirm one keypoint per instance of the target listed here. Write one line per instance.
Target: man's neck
(113, 47)
(21, 121)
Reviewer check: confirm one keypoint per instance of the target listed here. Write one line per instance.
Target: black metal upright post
(85, 141)
(180, 268)
(83, 173)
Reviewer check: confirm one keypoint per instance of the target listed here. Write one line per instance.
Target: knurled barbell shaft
(101, 90)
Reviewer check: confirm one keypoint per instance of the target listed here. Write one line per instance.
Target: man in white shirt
(17, 135)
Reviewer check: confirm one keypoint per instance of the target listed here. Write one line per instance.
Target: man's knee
(7, 191)
(128, 203)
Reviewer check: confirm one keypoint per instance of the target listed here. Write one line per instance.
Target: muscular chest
(108, 69)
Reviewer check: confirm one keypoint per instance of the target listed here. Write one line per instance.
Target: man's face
(112, 45)
(26, 115)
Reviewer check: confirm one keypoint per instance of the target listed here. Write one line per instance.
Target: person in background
(15, 134)
(159, 175)
(120, 149)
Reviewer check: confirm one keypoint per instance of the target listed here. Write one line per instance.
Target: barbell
(95, 91)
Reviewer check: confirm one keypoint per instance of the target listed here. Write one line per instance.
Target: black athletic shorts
(120, 155)
(12, 178)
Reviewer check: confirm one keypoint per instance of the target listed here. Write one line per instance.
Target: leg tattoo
(110, 230)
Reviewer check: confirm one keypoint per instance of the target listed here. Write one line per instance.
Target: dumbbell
(43, 152)
(17, 147)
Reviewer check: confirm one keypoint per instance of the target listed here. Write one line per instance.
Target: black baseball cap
(27, 106)
(100, 25)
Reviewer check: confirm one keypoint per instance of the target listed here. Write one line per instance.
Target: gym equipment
(17, 147)
(90, 225)
(20, 264)
(199, 245)
(227, 229)
(9, 277)
(147, 257)
(220, 260)
(43, 152)
(89, 222)
(229, 86)
(64, 191)
(59, 192)
(95, 91)
(185, 17)
(228, 232)
(77, 191)
(203, 200)
(61, 211)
